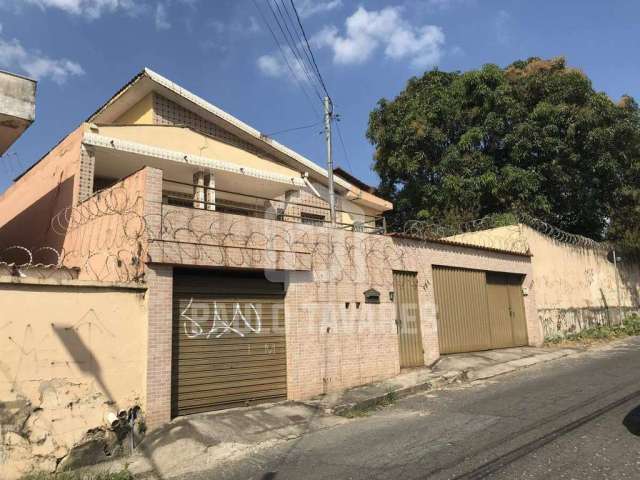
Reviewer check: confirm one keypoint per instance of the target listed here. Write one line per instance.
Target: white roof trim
(174, 87)
(111, 143)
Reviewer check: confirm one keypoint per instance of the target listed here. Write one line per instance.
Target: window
(311, 218)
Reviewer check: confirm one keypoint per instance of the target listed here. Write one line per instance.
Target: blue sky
(82, 51)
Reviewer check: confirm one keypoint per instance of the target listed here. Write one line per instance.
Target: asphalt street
(574, 418)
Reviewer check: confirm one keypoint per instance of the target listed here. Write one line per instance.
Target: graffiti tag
(193, 328)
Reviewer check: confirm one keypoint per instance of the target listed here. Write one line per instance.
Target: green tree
(534, 137)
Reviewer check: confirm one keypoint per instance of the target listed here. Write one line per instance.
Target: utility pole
(328, 117)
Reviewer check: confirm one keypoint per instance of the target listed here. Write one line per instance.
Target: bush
(629, 327)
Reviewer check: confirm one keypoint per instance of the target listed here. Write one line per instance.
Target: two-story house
(252, 294)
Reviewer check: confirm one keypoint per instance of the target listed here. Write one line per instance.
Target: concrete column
(159, 345)
(210, 195)
(198, 190)
(86, 173)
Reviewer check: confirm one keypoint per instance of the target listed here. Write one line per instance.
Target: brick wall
(330, 345)
(158, 374)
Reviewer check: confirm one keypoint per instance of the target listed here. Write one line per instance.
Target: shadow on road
(632, 421)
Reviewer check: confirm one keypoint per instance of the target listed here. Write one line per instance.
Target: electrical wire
(294, 78)
(304, 127)
(344, 149)
(306, 40)
(293, 44)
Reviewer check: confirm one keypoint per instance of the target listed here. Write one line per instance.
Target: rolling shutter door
(229, 344)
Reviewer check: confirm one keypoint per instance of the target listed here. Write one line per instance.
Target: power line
(304, 127)
(285, 58)
(291, 47)
(306, 40)
(344, 149)
(293, 44)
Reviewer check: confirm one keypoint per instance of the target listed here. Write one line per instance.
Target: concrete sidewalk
(204, 441)
(456, 368)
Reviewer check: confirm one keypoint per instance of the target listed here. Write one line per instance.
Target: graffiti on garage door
(249, 319)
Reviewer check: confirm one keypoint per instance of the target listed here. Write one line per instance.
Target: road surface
(574, 418)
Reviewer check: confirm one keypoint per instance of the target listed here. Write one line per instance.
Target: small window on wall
(311, 218)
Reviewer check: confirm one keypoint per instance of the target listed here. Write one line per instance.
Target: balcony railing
(214, 199)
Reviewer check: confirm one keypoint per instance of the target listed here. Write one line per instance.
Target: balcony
(293, 206)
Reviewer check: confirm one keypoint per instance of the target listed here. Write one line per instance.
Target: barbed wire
(189, 236)
(114, 233)
(500, 231)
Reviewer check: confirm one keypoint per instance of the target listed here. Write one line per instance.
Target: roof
(148, 80)
(356, 182)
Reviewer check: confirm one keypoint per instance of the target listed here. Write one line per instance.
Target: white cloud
(90, 9)
(307, 8)
(367, 31)
(276, 66)
(271, 66)
(36, 65)
(161, 18)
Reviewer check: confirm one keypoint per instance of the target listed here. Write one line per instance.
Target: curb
(447, 378)
(438, 382)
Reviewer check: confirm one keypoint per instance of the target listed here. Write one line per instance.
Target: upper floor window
(312, 218)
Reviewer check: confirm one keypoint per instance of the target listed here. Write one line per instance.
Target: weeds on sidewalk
(122, 475)
(389, 399)
(629, 327)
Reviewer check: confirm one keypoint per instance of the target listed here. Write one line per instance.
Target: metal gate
(478, 310)
(229, 344)
(405, 285)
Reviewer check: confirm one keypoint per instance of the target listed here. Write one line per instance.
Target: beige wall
(575, 286)
(70, 353)
(181, 139)
(141, 113)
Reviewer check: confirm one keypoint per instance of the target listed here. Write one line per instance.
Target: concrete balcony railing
(281, 208)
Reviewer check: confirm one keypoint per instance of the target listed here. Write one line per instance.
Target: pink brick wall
(329, 346)
(160, 305)
(105, 234)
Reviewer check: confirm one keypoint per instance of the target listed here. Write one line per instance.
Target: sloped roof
(148, 81)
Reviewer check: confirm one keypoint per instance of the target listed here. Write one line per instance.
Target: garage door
(229, 341)
(478, 310)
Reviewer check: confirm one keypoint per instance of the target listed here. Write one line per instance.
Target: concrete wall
(29, 204)
(71, 351)
(17, 107)
(575, 286)
(105, 235)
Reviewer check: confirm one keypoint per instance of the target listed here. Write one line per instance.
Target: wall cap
(64, 282)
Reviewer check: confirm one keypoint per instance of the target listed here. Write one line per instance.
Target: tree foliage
(533, 137)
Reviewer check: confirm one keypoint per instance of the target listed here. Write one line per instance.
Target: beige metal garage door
(405, 285)
(478, 310)
(229, 341)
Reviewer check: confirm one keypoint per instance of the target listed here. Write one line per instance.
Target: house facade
(251, 294)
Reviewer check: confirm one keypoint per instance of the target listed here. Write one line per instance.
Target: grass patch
(122, 475)
(389, 399)
(629, 327)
